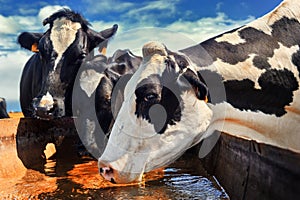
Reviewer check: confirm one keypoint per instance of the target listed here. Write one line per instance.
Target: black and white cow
(96, 82)
(47, 79)
(170, 103)
(3, 111)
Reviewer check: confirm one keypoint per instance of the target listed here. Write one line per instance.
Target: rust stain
(274, 14)
(292, 110)
(245, 124)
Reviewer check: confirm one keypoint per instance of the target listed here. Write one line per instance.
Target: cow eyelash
(150, 97)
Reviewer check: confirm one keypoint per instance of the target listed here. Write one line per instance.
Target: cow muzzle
(118, 177)
(48, 108)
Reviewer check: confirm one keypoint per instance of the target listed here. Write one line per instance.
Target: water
(66, 175)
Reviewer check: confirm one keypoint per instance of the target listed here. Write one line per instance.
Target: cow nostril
(101, 170)
(113, 180)
(106, 170)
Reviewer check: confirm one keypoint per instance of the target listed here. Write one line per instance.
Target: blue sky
(195, 19)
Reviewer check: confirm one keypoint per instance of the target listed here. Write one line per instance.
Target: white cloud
(8, 25)
(135, 39)
(177, 35)
(205, 28)
(219, 6)
(154, 5)
(10, 70)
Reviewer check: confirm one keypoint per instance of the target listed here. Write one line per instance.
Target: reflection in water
(27, 171)
(184, 179)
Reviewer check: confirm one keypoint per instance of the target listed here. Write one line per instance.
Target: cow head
(60, 52)
(119, 68)
(163, 114)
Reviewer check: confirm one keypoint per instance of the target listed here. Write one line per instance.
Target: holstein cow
(165, 109)
(99, 85)
(3, 112)
(47, 79)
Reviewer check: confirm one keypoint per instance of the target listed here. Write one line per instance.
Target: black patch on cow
(261, 62)
(276, 92)
(286, 31)
(152, 93)
(296, 60)
(103, 103)
(257, 42)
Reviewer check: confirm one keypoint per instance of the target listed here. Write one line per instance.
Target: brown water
(65, 175)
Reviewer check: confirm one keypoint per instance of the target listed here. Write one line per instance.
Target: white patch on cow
(240, 71)
(63, 34)
(232, 38)
(288, 8)
(252, 125)
(282, 59)
(47, 101)
(89, 80)
(89, 138)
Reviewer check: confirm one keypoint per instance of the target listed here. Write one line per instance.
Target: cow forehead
(63, 34)
(152, 65)
(64, 22)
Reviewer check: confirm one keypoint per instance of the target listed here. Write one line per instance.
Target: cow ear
(96, 38)
(112, 75)
(189, 79)
(30, 40)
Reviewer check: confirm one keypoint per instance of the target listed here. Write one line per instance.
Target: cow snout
(46, 107)
(107, 172)
(116, 176)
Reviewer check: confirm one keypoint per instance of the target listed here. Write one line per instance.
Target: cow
(48, 76)
(100, 83)
(170, 103)
(3, 111)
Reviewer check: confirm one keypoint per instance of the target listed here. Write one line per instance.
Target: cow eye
(150, 97)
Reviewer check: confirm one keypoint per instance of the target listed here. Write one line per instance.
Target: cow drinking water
(170, 104)
(48, 77)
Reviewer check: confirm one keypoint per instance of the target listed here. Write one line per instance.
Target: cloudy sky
(183, 21)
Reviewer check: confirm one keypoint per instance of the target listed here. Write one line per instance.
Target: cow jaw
(63, 34)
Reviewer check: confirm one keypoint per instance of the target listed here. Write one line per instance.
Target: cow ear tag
(206, 99)
(34, 47)
(103, 51)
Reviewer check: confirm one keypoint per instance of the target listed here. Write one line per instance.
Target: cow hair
(70, 15)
